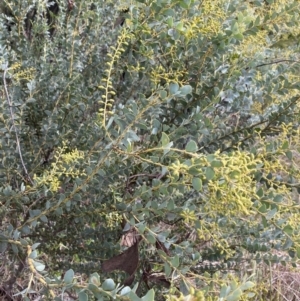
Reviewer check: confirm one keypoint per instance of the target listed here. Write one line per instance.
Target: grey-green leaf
(149, 296)
(174, 87)
(3, 246)
(235, 295)
(82, 296)
(187, 89)
(209, 173)
(69, 275)
(108, 285)
(39, 266)
(191, 146)
(175, 261)
(197, 184)
(247, 285)
(164, 139)
(150, 238)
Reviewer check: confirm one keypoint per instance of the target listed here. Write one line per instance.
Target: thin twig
(12, 280)
(14, 125)
(277, 62)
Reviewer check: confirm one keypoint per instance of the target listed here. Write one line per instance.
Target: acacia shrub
(172, 134)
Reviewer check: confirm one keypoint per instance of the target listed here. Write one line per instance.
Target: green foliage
(150, 149)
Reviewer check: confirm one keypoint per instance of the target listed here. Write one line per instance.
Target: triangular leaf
(247, 285)
(164, 139)
(69, 275)
(149, 296)
(83, 296)
(191, 147)
(186, 90)
(235, 295)
(108, 285)
(209, 173)
(39, 266)
(150, 238)
(174, 87)
(197, 184)
(175, 261)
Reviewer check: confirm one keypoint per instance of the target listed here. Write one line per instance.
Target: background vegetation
(149, 150)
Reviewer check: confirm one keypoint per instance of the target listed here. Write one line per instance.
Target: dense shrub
(149, 148)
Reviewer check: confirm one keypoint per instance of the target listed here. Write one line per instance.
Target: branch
(14, 126)
(35, 272)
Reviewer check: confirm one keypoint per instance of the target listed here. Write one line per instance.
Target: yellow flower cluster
(107, 86)
(208, 23)
(230, 180)
(65, 164)
(233, 186)
(18, 74)
(113, 219)
(159, 74)
(194, 295)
